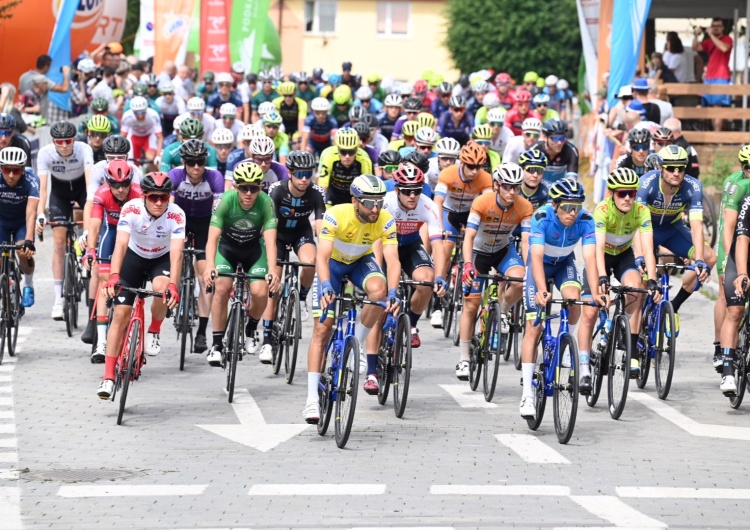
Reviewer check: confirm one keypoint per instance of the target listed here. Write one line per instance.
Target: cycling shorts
(358, 272)
(15, 229)
(501, 261)
(304, 237)
(730, 274)
(252, 257)
(62, 193)
(137, 270)
(412, 257)
(676, 238)
(564, 273)
(106, 247)
(453, 222)
(140, 145)
(198, 226)
(619, 265)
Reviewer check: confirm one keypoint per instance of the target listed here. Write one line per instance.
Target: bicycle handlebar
(562, 301)
(355, 299)
(416, 283)
(294, 263)
(238, 276)
(499, 278)
(144, 293)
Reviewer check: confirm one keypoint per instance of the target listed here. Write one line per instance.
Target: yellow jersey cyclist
(292, 109)
(340, 164)
(345, 249)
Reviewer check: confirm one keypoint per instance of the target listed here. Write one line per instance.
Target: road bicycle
(452, 304)
(741, 358)
(516, 321)
(74, 282)
(187, 309)
(11, 309)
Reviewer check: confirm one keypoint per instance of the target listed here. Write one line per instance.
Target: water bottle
(494, 337)
(605, 334)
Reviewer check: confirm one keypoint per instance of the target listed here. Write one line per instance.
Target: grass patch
(721, 167)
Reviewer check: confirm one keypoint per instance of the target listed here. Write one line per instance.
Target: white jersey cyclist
(175, 108)
(149, 237)
(408, 222)
(70, 168)
(98, 177)
(150, 125)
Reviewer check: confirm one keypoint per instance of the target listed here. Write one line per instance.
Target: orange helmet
(472, 154)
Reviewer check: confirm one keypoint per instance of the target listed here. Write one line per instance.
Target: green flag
(194, 38)
(253, 39)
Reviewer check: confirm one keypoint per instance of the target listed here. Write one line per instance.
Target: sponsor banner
(214, 35)
(144, 39)
(171, 29)
(59, 50)
(627, 36)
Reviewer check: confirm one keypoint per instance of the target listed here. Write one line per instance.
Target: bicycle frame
(551, 347)
(137, 315)
(336, 343)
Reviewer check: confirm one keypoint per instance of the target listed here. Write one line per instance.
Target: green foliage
(7, 7)
(515, 36)
(721, 167)
(132, 20)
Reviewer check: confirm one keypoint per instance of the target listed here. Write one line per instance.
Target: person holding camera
(718, 47)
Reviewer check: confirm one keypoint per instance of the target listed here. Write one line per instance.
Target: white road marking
(8, 442)
(9, 458)
(6, 390)
(683, 493)
(113, 490)
(7, 428)
(468, 399)
(7, 366)
(6, 401)
(8, 474)
(6, 414)
(616, 511)
(531, 449)
(541, 491)
(10, 507)
(706, 430)
(316, 489)
(5, 379)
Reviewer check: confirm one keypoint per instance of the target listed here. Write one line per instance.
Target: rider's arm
(322, 259)
(31, 206)
(696, 217)
(537, 267)
(468, 248)
(601, 268)
(121, 246)
(393, 265)
(212, 243)
(590, 261)
(95, 225)
(302, 104)
(730, 223)
(175, 259)
(43, 178)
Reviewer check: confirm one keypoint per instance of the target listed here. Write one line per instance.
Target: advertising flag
(59, 50)
(171, 29)
(627, 36)
(214, 36)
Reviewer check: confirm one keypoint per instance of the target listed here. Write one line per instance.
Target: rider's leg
(222, 286)
(204, 298)
(306, 254)
(375, 288)
(58, 251)
(422, 294)
(466, 329)
(258, 303)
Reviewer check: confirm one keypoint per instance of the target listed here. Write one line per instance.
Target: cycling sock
(155, 326)
(728, 364)
(28, 280)
(464, 348)
(413, 318)
(202, 325)
(251, 326)
(57, 284)
(109, 367)
(218, 337)
(583, 359)
(361, 332)
(717, 349)
(372, 363)
(101, 331)
(679, 299)
(313, 379)
(504, 307)
(303, 293)
(267, 331)
(527, 369)
(435, 303)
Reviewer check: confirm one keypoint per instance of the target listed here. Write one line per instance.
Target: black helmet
(302, 77)
(413, 104)
(208, 76)
(639, 136)
(116, 145)
(317, 73)
(653, 161)
(62, 129)
(7, 122)
(346, 66)
(371, 120)
(300, 161)
(463, 80)
(419, 160)
(555, 126)
(194, 149)
(389, 158)
(158, 181)
(100, 105)
(363, 130)
(252, 77)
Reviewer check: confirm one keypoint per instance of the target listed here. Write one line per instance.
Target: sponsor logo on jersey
(178, 217)
(244, 224)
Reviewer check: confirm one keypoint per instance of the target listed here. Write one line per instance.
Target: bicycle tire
(596, 362)
(346, 393)
(475, 358)
(324, 396)
(77, 286)
(184, 319)
(278, 337)
(68, 290)
(540, 396)
(4, 314)
(517, 328)
(455, 322)
(14, 320)
(131, 340)
(401, 368)
(237, 344)
(565, 397)
(491, 356)
(618, 379)
(292, 334)
(740, 366)
(665, 352)
(709, 221)
(385, 368)
(448, 309)
(642, 348)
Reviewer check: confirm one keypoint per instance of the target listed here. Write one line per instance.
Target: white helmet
(196, 104)
(425, 136)
(480, 86)
(405, 89)
(238, 68)
(266, 107)
(321, 105)
(228, 109)
(508, 173)
(393, 100)
(139, 104)
(166, 86)
(448, 146)
(224, 77)
(249, 132)
(222, 135)
(262, 145)
(496, 114)
(531, 124)
(12, 156)
(178, 121)
(551, 80)
(364, 92)
(562, 84)
(87, 66)
(491, 100)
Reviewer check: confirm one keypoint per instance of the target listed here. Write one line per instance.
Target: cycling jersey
(537, 198)
(352, 239)
(236, 126)
(626, 161)
(291, 114)
(620, 228)
(735, 188)
(240, 226)
(387, 127)
(70, 168)
(514, 120)
(340, 115)
(458, 193)
(196, 200)
(290, 210)
(494, 224)
(566, 161)
(560, 240)
(320, 133)
(337, 178)
(281, 142)
(98, 177)
(171, 158)
(438, 108)
(493, 160)
(461, 132)
(107, 208)
(261, 97)
(502, 141)
(150, 237)
(308, 94)
(13, 199)
(515, 148)
(508, 100)
(408, 222)
(688, 196)
(215, 101)
(151, 124)
(169, 111)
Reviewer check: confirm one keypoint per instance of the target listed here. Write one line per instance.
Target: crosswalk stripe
(316, 489)
(114, 490)
(683, 493)
(470, 489)
(531, 449)
(615, 511)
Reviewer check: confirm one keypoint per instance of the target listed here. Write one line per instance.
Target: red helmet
(502, 78)
(420, 86)
(118, 171)
(408, 176)
(523, 96)
(158, 182)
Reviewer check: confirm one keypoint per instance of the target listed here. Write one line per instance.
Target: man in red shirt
(504, 94)
(718, 47)
(520, 112)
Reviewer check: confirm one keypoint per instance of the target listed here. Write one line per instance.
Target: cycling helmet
(221, 136)
(420, 87)
(448, 147)
(480, 86)
(334, 79)
(445, 88)
(116, 145)
(228, 109)
(653, 161)
(408, 176)
(554, 127)
(413, 104)
(530, 77)
(157, 181)
(12, 156)
(389, 158)
(567, 190)
(491, 100)
(457, 102)
(425, 119)
(410, 128)
(249, 132)
(496, 115)
(482, 132)
(265, 76)
(7, 122)
(303, 77)
(623, 177)
(99, 123)
(743, 155)
(367, 186)
(393, 100)
(196, 104)
(405, 89)
(342, 95)
(100, 105)
(663, 134)
(419, 160)
(140, 89)
(356, 113)
(320, 105)
(371, 120)
(194, 149)
(425, 136)
(673, 155)
(562, 84)
(374, 77)
(118, 171)
(541, 99)
(522, 96)
(262, 146)
(191, 128)
(286, 88)
(266, 107)
(364, 92)
(252, 77)
(532, 157)
(531, 124)
(347, 138)
(551, 80)
(87, 66)
(272, 118)
(317, 72)
(62, 129)
(502, 78)
(166, 86)
(247, 172)
(639, 136)
(152, 80)
(300, 161)
(138, 104)
(472, 154)
(508, 173)
(362, 129)
(178, 121)
(208, 76)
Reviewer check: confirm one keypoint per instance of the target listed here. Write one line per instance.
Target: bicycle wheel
(236, 345)
(740, 366)
(540, 395)
(4, 314)
(186, 292)
(292, 334)
(68, 289)
(642, 349)
(131, 343)
(476, 358)
(517, 326)
(385, 369)
(619, 366)
(14, 317)
(76, 293)
(709, 221)
(491, 351)
(278, 338)
(565, 398)
(597, 362)
(346, 392)
(457, 308)
(401, 368)
(665, 352)
(324, 394)
(449, 306)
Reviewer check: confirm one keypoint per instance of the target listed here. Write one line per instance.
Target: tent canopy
(697, 8)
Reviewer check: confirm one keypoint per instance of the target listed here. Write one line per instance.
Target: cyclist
(208, 86)
(169, 107)
(488, 244)
(260, 149)
(393, 104)
(618, 220)
(99, 106)
(640, 143)
(504, 92)
(189, 129)
(534, 189)
(197, 109)
(501, 135)
(304, 89)
(446, 154)
(541, 105)
(412, 208)
(228, 118)
(318, 128)
(10, 138)
(105, 214)
(69, 164)
(408, 131)
(556, 228)
(347, 236)
(532, 128)
(456, 123)
(363, 131)
(265, 94)
(340, 165)
(479, 89)
(271, 124)
(342, 99)
(148, 246)
(412, 108)
(482, 135)
(562, 155)
(520, 112)
(292, 109)
(196, 190)
(143, 125)
(440, 105)
(99, 128)
(223, 141)
(240, 224)
(225, 94)
(19, 200)
(376, 140)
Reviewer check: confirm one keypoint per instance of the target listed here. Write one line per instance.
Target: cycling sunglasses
(571, 207)
(12, 170)
(156, 198)
(119, 185)
(535, 170)
(64, 141)
(8, 132)
(447, 159)
(558, 138)
(410, 192)
(389, 168)
(371, 204)
(485, 143)
(531, 135)
(347, 152)
(270, 125)
(746, 167)
(472, 167)
(640, 147)
(223, 146)
(262, 159)
(99, 135)
(303, 174)
(425, 147)
(674, 169)
(497, 123)
(510, 187)
(196, 162)
(248, 189)
(622, 194)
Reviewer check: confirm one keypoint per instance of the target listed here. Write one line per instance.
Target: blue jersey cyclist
(319, 127)
(556, 229)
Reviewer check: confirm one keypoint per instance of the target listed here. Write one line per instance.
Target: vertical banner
(588, 22)
(606, 7)
(171, 29)
(214, 36)
(194, 39)
(627, 35)
(59, 50)
(270, 55)
(247, 31)
(144, 39)
(112, 22)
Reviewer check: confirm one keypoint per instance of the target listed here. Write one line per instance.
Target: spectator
(677, 60)
(675, 125)
(170, 70)
(103, 89)
(25, 82)
(640, 93)
(665, 107)
(718, 47)
(659, 71)
(35, 101)
(8, 106)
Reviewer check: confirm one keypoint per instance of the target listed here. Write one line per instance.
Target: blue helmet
(567, 190)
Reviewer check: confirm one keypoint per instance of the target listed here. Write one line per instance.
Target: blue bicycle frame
(551, 347)
(336, 345)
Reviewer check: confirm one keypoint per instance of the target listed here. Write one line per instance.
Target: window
(393, 17)
(320, 16)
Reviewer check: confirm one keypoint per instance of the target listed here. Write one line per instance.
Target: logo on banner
(217, 23)
(88, 12)
(218, 51)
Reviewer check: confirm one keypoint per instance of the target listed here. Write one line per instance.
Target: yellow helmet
(347, 138)
(425, 119)
(247, 173)
(410, 128)
(99, 123)
(744, 154)
(482, 132)
(286, 88)
(342, 95)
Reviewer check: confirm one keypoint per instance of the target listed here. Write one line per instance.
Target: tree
(7, 7)
(515, 36)
(132, 21)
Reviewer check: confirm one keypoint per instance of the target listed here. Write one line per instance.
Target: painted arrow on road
(253, 431)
